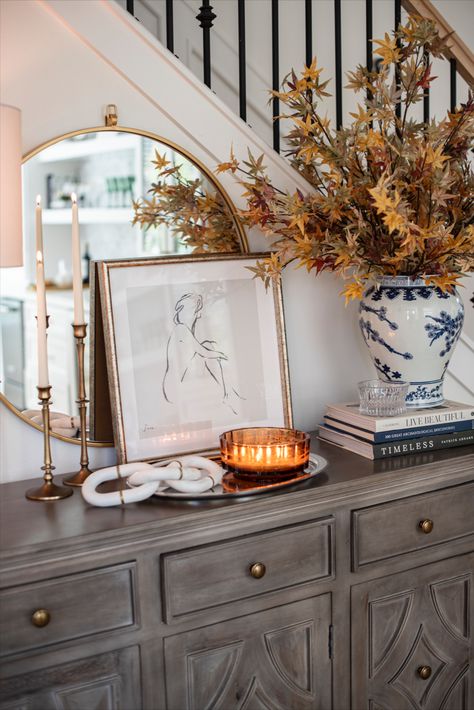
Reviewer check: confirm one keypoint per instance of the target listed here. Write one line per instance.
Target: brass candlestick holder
(49, 490)
(78, 478)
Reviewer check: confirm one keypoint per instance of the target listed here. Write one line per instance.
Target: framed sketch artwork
(195, 346)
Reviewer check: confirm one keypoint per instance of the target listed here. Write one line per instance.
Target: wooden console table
(366, 598)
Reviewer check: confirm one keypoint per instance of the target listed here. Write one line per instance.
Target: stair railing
(460, 57)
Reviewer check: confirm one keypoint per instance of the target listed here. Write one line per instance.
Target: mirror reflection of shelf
(90, 215)
(107, 171)
(98, 143)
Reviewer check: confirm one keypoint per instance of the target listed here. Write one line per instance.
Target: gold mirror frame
(152, 136)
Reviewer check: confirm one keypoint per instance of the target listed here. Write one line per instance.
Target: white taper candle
(43, 375)
(39, 226)
(76, 266)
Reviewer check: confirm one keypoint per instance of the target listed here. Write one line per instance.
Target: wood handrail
(457, 49)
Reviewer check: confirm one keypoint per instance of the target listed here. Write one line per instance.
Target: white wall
(224, 47)
(61, 62)
(460, 15)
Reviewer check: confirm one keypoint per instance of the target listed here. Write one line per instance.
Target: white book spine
(413, 420)
(410, 420)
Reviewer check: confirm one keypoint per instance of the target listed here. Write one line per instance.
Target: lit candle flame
(73, 197)
(38, 200)
(39, 257)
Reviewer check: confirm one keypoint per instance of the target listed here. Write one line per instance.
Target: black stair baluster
(169, 26)
(242, 62)
(131, 7)
(426, 95)
(206, 17)
(338, 47)
(369, 32)
(453, 84)
(398, 20)
(275, 76)
(308, 15)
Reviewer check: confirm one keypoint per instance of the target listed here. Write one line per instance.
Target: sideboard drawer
(409, 524)
(221, 573)
(67, 608)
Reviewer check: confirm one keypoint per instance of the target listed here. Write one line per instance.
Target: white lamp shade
(11, 236)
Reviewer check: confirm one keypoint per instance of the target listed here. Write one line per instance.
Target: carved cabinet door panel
(276, 659)
(412, 639)
(109, 681)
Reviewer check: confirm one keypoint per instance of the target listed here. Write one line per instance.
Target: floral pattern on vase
(411, 330)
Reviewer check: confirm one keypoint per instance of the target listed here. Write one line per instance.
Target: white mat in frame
(195, 346)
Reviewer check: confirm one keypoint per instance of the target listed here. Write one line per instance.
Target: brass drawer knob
(424, 672)
(426, 526)
(257, 570)
(40, 618)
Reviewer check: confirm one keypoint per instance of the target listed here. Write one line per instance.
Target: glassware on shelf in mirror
(382, 399)
(131, 183)
(112, 191)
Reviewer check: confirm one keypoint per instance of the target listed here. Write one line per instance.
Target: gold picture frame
(194, 346)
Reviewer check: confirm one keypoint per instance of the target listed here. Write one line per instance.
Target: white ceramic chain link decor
(187, 474)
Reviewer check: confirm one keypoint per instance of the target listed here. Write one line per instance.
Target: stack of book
(448, 425)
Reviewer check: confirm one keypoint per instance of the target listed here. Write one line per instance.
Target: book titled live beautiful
(395, 448)
(446, 413)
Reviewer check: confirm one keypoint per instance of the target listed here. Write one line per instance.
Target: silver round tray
(315, 466)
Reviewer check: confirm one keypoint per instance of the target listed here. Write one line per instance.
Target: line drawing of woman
(184, 349)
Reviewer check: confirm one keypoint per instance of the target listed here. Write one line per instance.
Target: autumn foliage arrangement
(191, 209)
(391, 195)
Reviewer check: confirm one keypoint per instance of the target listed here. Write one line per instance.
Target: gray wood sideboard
(366, 599)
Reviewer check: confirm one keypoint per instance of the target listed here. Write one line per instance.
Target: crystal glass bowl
(382, 399)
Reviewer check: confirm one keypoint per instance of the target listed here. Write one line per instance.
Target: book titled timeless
(445, 413)
(396, 448)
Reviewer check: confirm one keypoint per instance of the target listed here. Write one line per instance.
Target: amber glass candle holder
(264, 454)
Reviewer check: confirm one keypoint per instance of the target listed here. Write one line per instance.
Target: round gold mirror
(139, 195)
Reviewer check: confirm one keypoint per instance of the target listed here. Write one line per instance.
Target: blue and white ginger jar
(411, 330)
